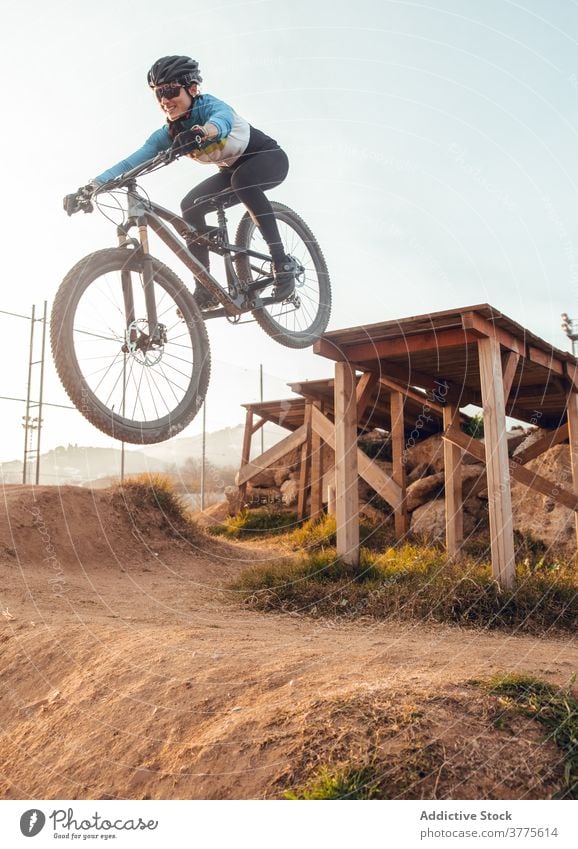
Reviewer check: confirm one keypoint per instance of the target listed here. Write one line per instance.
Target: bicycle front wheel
(299, 321)
(135, 383)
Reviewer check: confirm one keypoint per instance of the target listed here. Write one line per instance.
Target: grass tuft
(555, 709)
(250, 523)
(414, 582)
(141, 493)
(352, 782)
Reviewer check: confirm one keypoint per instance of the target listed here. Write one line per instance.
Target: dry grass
(144, 496)
(415, 582)
(434, 746)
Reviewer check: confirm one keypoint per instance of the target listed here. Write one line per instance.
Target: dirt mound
(128, 673)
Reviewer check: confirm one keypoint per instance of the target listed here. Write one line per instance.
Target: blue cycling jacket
(223, 150)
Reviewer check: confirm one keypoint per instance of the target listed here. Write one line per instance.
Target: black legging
(249, 178)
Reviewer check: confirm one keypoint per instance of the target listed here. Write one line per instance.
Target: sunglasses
(168, 91)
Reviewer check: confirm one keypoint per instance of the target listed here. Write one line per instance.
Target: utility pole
(203, 449)
(261, 398)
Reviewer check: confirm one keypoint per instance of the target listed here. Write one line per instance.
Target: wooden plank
(536, 448)
(397, 448)
(410, 393)
(326, 348)
(439, 390)
(365, 389)
(573, 436)
(272, 455)
(304, 465)
(427, 341)
(367, 469)
(316, 506)
(510, 362)
(246, 452)
(346, 494)
(453, 486)
(541, 358)
(531, 479)
(496, 450)
(487, 330)
(258, 425)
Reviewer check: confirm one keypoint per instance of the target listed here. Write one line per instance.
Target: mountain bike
(129, 340)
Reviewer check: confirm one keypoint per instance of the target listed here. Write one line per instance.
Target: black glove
(79, 200)
(188, 140)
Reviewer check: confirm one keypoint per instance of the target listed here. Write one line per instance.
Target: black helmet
(170, 69)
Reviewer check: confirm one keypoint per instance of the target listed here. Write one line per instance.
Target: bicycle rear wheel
(299, 321)
(134, 383)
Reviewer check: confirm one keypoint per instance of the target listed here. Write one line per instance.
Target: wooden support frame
(346, 493)
(365, 388)
(496, 451)
(510, 362)
(453, 486)
(304, 482)
(536, 448)
(397, 448)
(367, 469)
(271, 456)
(316, 497)
(530, 479)
(246, 452)
(573, 437)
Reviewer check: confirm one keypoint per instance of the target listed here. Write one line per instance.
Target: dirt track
(127, 673)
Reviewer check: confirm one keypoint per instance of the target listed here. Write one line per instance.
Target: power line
(44, 403)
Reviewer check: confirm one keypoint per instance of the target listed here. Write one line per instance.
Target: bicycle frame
(143, 213)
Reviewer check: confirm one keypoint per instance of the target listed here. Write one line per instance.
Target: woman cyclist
(249, 161)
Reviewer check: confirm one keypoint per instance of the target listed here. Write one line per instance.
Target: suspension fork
(126, 279)
(148, 282)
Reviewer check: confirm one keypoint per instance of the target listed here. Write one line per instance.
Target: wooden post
(246, 453)
(316, 507)
(573, 436)
(346, 494)
(497, 465)
(331, 500)
(397, 446)
(453, 485)
(304, 465)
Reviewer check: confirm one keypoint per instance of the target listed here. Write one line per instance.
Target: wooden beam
(496, 451)
(453, 486)
(397, 448)
(573, 435)
(365, 389)
(346, 493)
(272, 455)
(487, 330)
(541, 358)
(536, 448)
(410, 393)
(367, 469)
(258, 425)
(304, 465)
(510, 362)
(316, 506)
(246, 453)
(328, 349)
(439, 390)
(532, 480)
(427, 341)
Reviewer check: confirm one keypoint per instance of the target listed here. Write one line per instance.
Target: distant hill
(79, 464)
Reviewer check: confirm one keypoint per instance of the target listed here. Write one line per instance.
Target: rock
(422, 470)
(367, 511)
(540, 516)
(530, 439)
(233, 496)
(428, 452)
(429, 521)
(473, 479)
(262, 496)
(289, 492)
(423, 490)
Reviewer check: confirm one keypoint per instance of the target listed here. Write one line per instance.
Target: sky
(433, 151)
